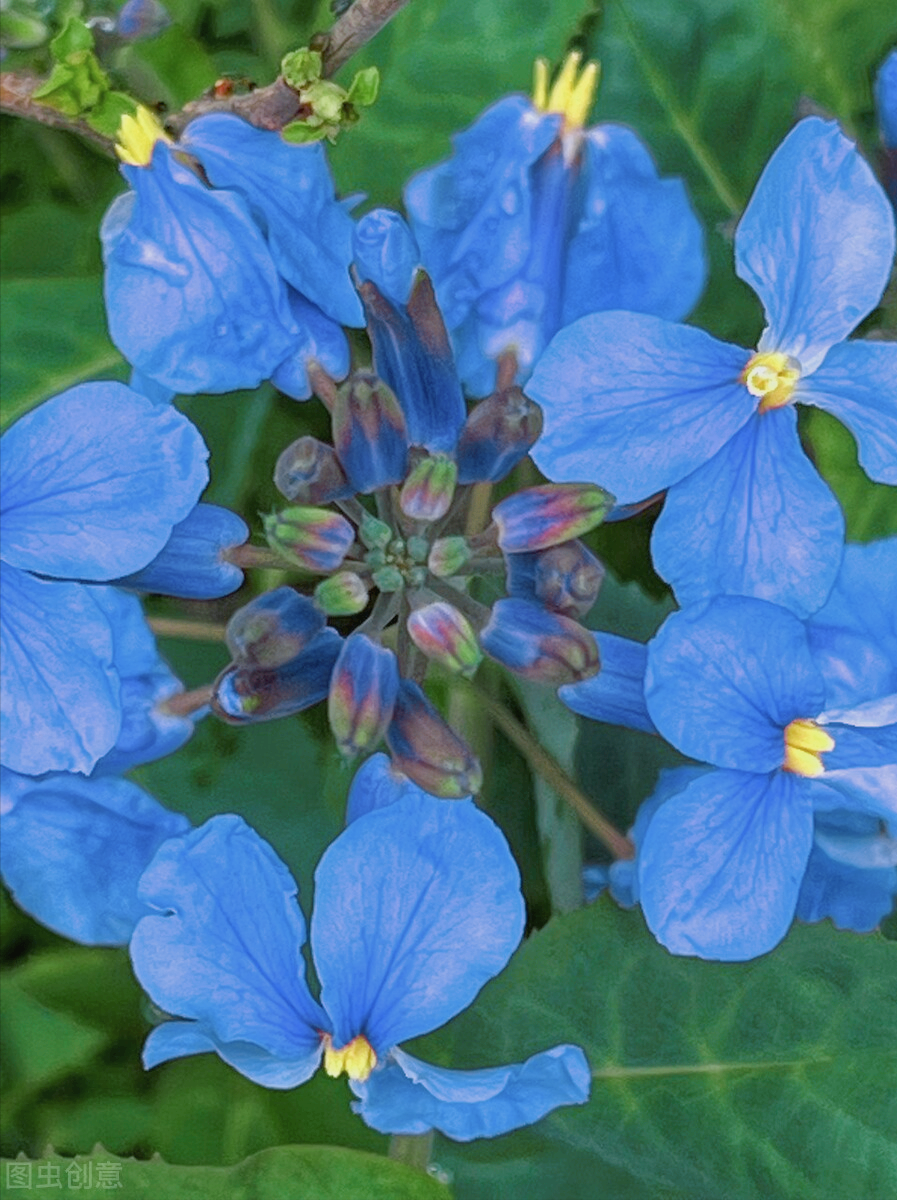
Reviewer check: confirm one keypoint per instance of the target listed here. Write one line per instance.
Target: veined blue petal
(190, 564)
(635, 403)
(134, 647)
(638, 245)
(757, 520)
(93, 481)
(193, 297)
(405, 938)
(410, 1096)
(857, 383)
(721, 864)
(886, 99)
(290, 192)
(320, 339)
(617, 693)
(724, 678)
(816, 242)
(386, 253)
(226, 945)
(178, 1039)
(73, 850)
(851, 875)
(378, 784)
(60, 707)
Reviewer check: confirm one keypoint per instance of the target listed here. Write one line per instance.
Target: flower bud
(539, 517)
(499, 432)
(312, 538)
(310, 472)
(427, 492)
(245, 695)
(447, 556)
(369, 433)
(363, 690)
(342, 595)
(427, 751)
(272, 629)
(446, 636)
(539, 645)
(191, 563)
(375, 534)
(564, 578)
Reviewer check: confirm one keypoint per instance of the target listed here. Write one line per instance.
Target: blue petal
(857, 383)
(617, 693)
(724, 679)
(290, 192)
(638, 245)
(409, 1096)
(93, 481)
(757, 520)
(190, 564)
(226, 946)
(133, 642)
(386, 253)
(851, 876)
(816, 242)
(178, 1039)
(141, 383)
(60, 707)
(320, 339)
(378, 784)
(74, 849)
(721, 864)
(417, 905)
(886, 100)
(193, 297)
(635, 403)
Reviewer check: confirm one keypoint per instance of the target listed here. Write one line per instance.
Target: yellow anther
(356, 1058)
(136, 137)
(571, 94)
(805, 741)
(772, 377)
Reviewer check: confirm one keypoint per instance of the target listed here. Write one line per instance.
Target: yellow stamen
(772, 377)
(571, 94)
(137, 135)
(356, 1058)
(540, 84)
(805, 741)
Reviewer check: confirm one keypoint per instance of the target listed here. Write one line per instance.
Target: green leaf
(73, 38)
(869, 508)
(52, 336)
(92, 985)
(281, 1173)
(365, 87)
(748, 1081)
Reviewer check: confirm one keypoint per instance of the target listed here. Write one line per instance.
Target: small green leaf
(41, 1046)
(73, 38)
(301, 67)
(301, 133)
(364, 88)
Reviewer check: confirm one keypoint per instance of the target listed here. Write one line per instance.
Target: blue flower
(536, 221)
(640, 405)
(193, 564)
(402, 940)
(93, 482)
(851, 874)
(886, 102)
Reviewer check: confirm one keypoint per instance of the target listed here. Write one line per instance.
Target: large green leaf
(281, 1173)
(748, 1081)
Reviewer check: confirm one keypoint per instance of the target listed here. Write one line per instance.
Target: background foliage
(773, 1078)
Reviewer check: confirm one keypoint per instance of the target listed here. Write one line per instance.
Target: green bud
(342, 595)
(375, 534)
(301, 67)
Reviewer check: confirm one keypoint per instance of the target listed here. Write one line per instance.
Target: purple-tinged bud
(428, 491)
(312, 538)
(448, 555)
(499, 432)
(191, 564)
(342, 595)
(446, 636)
(427, 750)
(310, 472)
(369, 432)
(272, 629)
(539, 645)
(245, 695)
(564, 578)
(539, 517)
(362, 695)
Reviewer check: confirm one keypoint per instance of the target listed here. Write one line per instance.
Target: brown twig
(16, 89)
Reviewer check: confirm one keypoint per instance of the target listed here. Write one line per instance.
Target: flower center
(137, 136)
(356, 1058)
(572, 94)
(804, 743)
(772, 377)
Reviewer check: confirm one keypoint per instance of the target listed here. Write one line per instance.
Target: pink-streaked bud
(272, 629)
(428, 491)
(425, 749)
(309, 472)
(312, 538)
(539, 517)
(245, 695)
(369, 433)
(448, 555)
(565, 578)
(362, 695)
(539, 645)
(446, 636)
(497, 434)
(342, 595)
